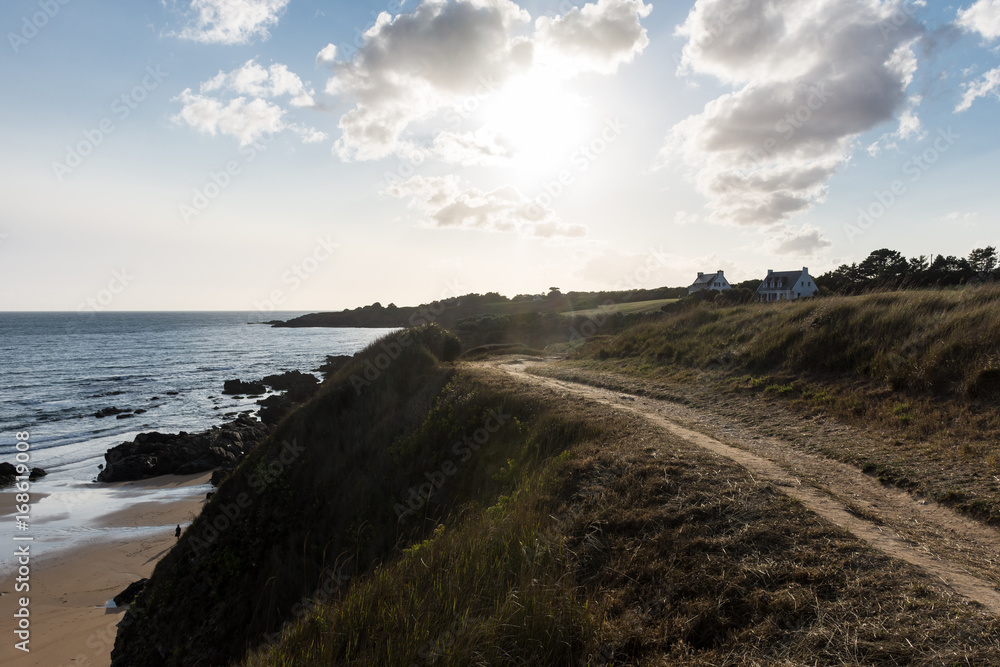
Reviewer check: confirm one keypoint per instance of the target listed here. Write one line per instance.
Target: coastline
(70, 624)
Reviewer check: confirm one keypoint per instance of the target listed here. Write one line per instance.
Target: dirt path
(962, 553)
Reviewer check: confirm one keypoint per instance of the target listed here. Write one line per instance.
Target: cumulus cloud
(597, 37)
(252, 79)
(470, 149)
(986, 85)
(982, 17)
(805, 241)
(449, 204)
(412, 66)
(810, 78)
(252, 114)
(232, 21)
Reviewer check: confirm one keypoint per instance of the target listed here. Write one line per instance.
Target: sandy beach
(69, 589)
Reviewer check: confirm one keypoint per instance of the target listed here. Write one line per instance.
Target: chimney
(700, 274)
(805, 269)
(769, 272)
(720, 273)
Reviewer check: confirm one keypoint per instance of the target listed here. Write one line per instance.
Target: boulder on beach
(8, 473)
(241, 387)
(153, 454)
(36, 473)
(131, 592)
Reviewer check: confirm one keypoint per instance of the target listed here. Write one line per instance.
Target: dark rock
(172, 393)
(153, 454)
(140, 411)
(241, 387)
(155, 398)
(108, 412)
(130, 593)
(8, 473)
(298, 387)
(36, 473)
(292, 381)
(219, 475)
(125, 415)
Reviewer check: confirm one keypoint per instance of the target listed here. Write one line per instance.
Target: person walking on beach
(177, 533)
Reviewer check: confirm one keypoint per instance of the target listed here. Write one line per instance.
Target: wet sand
(69, 589)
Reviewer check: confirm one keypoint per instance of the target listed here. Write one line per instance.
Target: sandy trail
(963, 554)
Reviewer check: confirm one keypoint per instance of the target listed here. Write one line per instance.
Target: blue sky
(221, 154)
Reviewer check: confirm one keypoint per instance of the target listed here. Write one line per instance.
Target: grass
(639, 307)
(632, 547)
(911, 367)
(552, 532)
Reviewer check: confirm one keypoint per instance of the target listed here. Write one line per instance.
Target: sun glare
(541, 122)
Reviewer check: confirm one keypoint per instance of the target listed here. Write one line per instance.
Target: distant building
(714, 281)
(786, 286)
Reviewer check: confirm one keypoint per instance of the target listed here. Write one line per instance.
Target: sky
(266, 155)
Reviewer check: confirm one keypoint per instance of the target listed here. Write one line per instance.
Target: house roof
(706, 279)
(785, 280)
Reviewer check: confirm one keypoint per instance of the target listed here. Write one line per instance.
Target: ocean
(58, 369)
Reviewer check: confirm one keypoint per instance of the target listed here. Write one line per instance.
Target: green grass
(625, 308)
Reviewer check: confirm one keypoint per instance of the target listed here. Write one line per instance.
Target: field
(625, 308)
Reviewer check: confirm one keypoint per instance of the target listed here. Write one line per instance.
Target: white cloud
(449, 204)
(412, 66)
(470, 149)
(327, 55)
(246, 121)
(252, 113)
(252, 79)
(982, 17)
(232, 21)
(597, 37)
(811, 78)
(987, 84)
(805, 241)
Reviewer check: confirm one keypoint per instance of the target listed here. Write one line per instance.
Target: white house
(715, 281)
(786, 286)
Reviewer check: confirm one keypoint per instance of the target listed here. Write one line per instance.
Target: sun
(540, 122)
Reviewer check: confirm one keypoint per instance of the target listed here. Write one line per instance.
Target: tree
(983, 261)
(883, 267)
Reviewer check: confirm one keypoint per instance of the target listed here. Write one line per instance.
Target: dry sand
(69, 589)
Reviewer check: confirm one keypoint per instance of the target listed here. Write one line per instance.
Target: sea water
(58, 369)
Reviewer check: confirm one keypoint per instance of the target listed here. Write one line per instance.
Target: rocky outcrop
(154, 454)
(109, 412)
(241, 387)
(298, 388)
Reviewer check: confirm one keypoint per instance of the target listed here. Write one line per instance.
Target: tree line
(889, 269)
